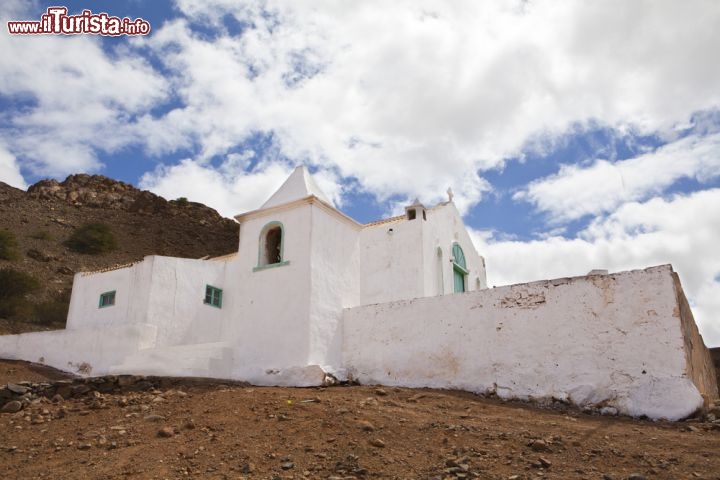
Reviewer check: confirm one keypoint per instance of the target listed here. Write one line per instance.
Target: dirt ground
(225, 431)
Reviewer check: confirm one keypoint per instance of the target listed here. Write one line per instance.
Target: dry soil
(188, 429)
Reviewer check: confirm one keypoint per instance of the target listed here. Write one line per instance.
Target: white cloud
(229, 189)
(682, 231)
(412, 97)
(79, 100)
(10, 170)
(230, 193)
(408, 98)
(579, 190)
(15, 10)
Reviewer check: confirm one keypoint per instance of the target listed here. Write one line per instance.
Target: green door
(459, 268)
(459, 280)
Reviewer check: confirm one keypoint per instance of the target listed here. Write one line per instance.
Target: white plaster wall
(603, 340)
(391, 261)
(268, 319)
(158, 302)
(84, 311)
(208, 360)
(335, 283)
(176, 302)
(88, 351)
(404, 264)
(166, 292)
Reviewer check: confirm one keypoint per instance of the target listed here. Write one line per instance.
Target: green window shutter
(213, 296)
(107, 299)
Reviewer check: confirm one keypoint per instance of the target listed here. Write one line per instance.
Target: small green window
(107, 299)
(213, 296)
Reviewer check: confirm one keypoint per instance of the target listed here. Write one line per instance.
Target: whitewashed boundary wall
(603, 340)
(90, 351)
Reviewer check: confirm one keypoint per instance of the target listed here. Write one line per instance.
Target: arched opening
(460, 270)
(271, 245)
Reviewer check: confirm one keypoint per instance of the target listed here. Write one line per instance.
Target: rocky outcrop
(98, 191)
(91, 190)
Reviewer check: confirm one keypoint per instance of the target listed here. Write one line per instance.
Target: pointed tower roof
(298, 185)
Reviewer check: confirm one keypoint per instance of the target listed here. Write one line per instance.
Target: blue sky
(575, 135)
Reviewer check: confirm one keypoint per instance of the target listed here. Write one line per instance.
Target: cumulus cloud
(229, 188)
(579, 190)
(681, 231)
(71, 98)
(424, 96)
(229, 193)
(405, 98)
(10, 170)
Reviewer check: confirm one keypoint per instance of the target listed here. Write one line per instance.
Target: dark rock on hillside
(94, 191)
(715, 355)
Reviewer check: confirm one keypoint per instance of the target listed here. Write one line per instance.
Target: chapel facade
(278, 302)
(312, 296)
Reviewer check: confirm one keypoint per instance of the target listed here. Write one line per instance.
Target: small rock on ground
(12, 406)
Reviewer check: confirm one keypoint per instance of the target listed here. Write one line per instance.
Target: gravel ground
(168, 428)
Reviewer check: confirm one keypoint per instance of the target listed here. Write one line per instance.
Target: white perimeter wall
(90, 351)
(603, 340)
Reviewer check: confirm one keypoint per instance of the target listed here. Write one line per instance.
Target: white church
(312, 295)
(277, 302)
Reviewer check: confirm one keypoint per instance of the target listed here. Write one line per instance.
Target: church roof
(298, 185)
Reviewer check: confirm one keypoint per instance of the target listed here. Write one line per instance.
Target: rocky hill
(43, 218)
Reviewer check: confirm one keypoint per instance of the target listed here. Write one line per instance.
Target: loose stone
(19, 389)
(366, 426)
(539, 446)
(153, 418)
(12, 406)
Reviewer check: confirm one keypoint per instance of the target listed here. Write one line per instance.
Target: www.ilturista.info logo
(56, 21)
